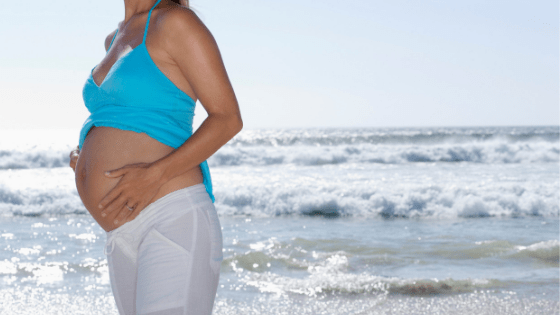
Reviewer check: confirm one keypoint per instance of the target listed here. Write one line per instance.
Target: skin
(118, 168)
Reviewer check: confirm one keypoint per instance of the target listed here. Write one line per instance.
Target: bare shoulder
(108, 39)
(177, 23)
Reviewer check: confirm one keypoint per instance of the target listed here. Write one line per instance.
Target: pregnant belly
(108, 148)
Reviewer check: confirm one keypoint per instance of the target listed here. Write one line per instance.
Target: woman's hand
(74, 155)
(139, 183)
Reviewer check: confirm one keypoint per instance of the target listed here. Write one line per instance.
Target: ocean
(433, 220)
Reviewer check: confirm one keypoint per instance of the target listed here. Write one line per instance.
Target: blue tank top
(135, 95)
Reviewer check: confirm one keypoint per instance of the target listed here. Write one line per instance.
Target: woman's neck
(134, 7)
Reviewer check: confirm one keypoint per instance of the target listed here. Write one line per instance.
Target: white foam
(372, 173)
(546, 251)
(489, 152)
(367, 192)
(50, 148)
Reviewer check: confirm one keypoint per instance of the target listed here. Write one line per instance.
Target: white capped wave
(337, 146)
(229, 155)
(331, 199)
(547, 251)
(491, 152)
(35, 202)
(425, 135)
(24, 149)
(389, 201)
(34, 158)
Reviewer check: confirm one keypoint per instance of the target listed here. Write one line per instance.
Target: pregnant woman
(141, 172)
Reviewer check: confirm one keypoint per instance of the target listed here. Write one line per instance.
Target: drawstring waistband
(114, 237)
(124, 236)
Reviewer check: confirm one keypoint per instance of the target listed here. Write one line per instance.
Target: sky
(311, 63)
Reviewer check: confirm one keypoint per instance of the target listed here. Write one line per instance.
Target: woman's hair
(182, 2)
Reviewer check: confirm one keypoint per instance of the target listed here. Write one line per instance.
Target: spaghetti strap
(111, 44)
(148, 21)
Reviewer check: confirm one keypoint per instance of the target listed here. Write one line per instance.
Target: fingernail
(103, 214)
(100, 206)
(107, 173)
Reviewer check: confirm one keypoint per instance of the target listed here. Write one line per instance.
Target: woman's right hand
(74, 155)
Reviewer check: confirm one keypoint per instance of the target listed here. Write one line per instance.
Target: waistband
(193, 195)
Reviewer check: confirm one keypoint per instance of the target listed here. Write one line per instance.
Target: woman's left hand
(138, 185)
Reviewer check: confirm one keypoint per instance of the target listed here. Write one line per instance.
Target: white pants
(167, 260)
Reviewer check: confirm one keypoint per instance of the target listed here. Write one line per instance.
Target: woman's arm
(194, 50)
(196, 53)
